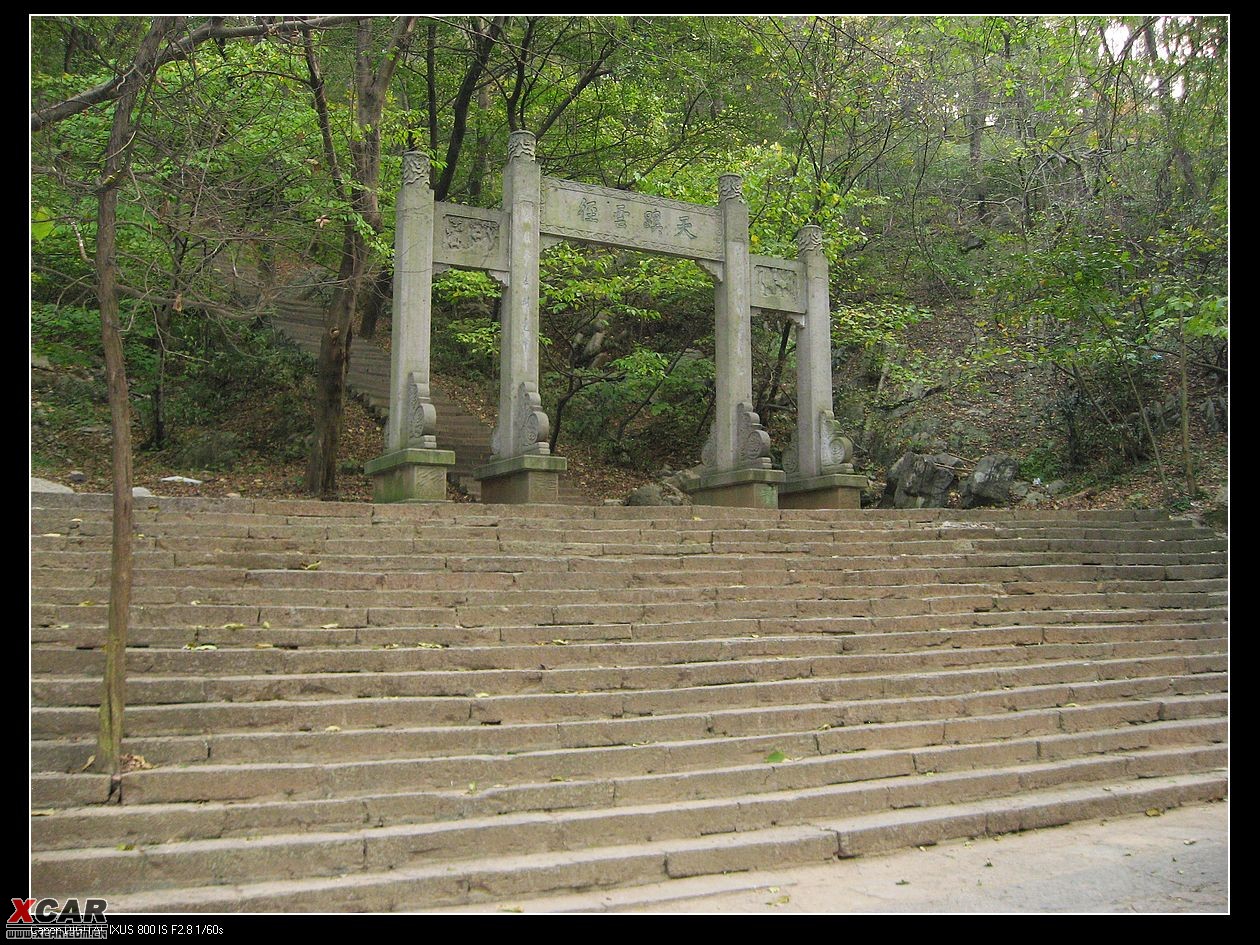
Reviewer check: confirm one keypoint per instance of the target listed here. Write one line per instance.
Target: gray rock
(140, 492)
(1054, 488)
(990, 482)
(917, 482)
(77, 476)
(1033, 498)
(657, 493)
(44, 485)
(41, 362)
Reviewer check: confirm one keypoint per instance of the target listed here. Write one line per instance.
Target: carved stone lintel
(415, 168)
(469, 233)
(731, 187)
(421, 416)
(522, 144)
(809, 240)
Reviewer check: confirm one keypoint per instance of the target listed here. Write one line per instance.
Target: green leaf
(41, 224)
(775, 757)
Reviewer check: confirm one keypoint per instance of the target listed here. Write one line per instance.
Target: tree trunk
(117, 159)
(330, 374)
(377, 294)
(370, 82)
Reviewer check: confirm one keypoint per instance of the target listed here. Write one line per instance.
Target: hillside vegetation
(1026, 220)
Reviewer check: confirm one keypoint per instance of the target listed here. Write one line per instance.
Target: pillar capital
(731, 187)
(415, 169)
(809, 239)
(523, 145)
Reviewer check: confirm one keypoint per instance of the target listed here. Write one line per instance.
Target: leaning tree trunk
(330, 372)
(117, 159)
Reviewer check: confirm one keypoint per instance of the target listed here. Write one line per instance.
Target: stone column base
(834, 491)
(522, 480)
(410, 475)
(738, 488)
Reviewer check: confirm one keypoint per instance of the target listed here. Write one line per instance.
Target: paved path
(1176, 862)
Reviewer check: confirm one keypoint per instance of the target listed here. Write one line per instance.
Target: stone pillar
(412, 468)
(817, 463)
(736, 467)
(521, 468)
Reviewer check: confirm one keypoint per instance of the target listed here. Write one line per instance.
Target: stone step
(458, 523)
(842, 701)
(362, 855)
(470, 786)
(210, 579)
(678, 737)
(338, 634)
(157, 689)
(803, 655)
(507, 606)
(281, 592)
(151, 558)
(343, 510)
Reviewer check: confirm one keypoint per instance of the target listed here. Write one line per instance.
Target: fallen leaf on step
(329, 626)
(264, 646)
(206, 646)
(313, 566)
(43, 812)
(52, 535)
(266, 625)
(511, 909)
(134, 763)
(781, 901)
(87, 603)
(481, 695)
(1154, 812)
(87, 764)
(234, 626)
(125, 847)
(775, 757)
(1189, 843)
(194, 602)
(903, 882)
(332, 728)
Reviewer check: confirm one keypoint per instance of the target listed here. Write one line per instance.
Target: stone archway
(537, 211)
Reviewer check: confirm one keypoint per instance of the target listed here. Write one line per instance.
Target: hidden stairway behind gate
(301, 319)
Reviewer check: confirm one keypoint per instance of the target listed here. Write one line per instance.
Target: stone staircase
(357, 707)
(301, 320)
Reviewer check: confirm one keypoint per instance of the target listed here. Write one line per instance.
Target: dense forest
(1055, 189)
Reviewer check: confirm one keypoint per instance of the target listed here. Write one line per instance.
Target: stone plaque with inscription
(636, 221)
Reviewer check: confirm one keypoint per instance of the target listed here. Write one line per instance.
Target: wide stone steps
(366, 852)
(397, 707)
(376, 791)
